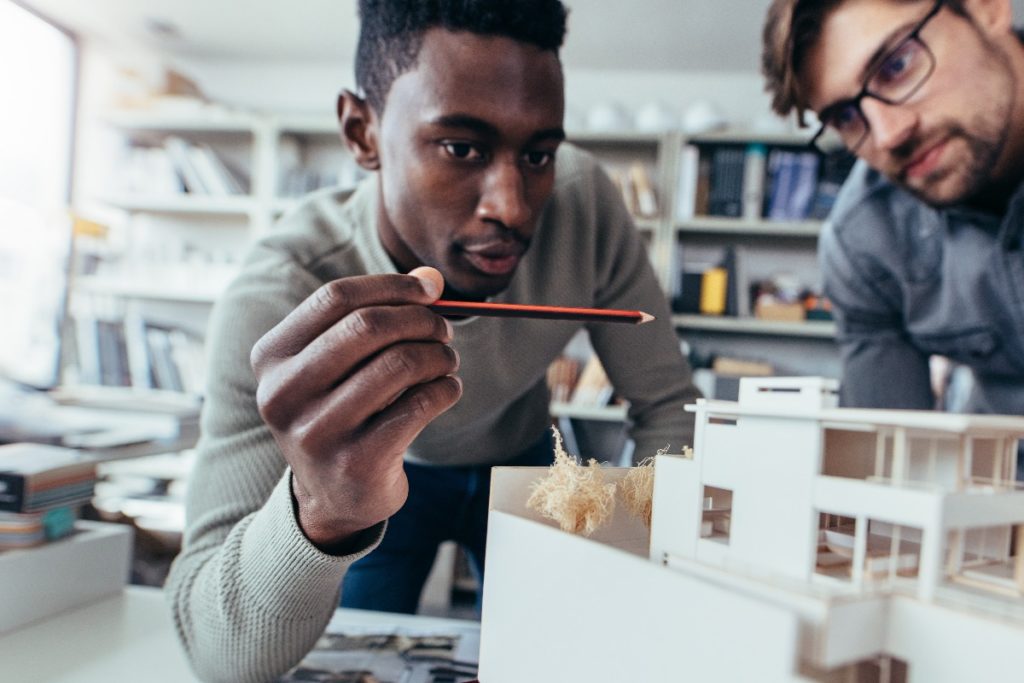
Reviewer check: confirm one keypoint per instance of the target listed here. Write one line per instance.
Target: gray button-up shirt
(908, 280)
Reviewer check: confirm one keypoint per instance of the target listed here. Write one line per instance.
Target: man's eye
(538, 158)
(844, 118)
(462, 150)
(900, 63)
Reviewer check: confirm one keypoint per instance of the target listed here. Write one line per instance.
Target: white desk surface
(130, 637)
(127, 637)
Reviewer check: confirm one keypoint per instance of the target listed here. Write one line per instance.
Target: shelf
(717, 225)
(748, 137)
(623, 137)
(615, 413)
(309, 125)
(710, 323)
(198, 122)
(206, 293)
(213, 205)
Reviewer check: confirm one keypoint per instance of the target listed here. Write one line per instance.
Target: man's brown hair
(791, 28)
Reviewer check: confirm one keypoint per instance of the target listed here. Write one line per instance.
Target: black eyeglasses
(895, 79)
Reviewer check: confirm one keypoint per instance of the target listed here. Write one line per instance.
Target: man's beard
(975, 171)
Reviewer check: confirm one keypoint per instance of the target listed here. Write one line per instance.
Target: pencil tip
(645, 318)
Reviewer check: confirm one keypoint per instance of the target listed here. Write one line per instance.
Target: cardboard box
(91, 563)
(793, 313)
(559, 607)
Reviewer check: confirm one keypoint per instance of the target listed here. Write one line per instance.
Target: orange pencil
(607, 315)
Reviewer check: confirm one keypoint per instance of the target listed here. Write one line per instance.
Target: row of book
(638, 194)
(179, 166)
(41, 490)
(133, 352)
(757, 181)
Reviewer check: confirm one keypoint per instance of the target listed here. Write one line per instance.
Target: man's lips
(925, 162)
(494, 258)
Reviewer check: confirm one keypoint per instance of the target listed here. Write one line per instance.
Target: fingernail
(431, 287)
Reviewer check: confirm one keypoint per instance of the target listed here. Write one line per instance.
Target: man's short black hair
(391, 32)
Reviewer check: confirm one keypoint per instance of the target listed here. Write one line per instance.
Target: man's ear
(359, 127)
(993, 16)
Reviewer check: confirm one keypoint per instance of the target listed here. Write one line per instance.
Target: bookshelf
(175, 251)
(752, 204)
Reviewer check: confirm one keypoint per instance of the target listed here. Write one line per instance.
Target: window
(36, 132)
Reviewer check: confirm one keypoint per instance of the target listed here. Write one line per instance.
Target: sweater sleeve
(250, 594)
(881, 367)
(644, 362)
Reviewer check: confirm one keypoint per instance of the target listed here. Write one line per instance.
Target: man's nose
(503, 195)
(891, 125)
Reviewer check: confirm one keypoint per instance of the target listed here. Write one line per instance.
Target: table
(130, 637)
(127, 637)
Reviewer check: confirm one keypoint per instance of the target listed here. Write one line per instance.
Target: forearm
(884, 371)
(250, 606)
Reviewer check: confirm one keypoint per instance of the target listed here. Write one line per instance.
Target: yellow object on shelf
(83, 227)
(713, 291)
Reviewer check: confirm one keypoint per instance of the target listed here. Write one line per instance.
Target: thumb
(433, 281)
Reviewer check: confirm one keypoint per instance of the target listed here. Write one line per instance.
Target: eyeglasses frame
(865, 91)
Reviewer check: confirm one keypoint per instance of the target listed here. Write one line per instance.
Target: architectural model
(799, 542)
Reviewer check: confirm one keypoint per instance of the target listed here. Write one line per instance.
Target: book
(702, 193)
(805, 184)
(782, 176)
(689, 169)
(726, 191)
(835, 167)
(37, 477)
(165, 374)
(646, 200)
(178, 151)
(754, 164)
(215, 174)
(27, 529)
(793, 181)
(593, 388)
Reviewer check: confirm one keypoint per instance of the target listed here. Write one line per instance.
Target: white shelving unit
(286, 156)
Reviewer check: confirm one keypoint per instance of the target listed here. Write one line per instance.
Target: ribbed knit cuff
(298, 580)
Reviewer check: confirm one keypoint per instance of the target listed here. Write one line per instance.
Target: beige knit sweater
(250, 594)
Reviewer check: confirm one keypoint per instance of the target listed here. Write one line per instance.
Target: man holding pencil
(367, 420)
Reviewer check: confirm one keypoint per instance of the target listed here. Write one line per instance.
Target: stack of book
(41, 489)
(35, 528)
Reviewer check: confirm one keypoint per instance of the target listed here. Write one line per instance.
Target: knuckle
(329, 296)
(305, 437)
(400, 360)
(268, 403)
(364, 322)
(451, 389)
(421, 405)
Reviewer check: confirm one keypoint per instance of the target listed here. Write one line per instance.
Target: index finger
(336, 299)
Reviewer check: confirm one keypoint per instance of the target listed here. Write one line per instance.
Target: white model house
(800, 542)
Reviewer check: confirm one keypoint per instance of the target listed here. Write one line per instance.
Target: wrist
(329, 535)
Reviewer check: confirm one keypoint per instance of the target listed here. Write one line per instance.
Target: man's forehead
(465, 72)
(850, 38)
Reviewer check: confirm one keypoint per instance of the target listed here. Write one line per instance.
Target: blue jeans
(444, 504)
